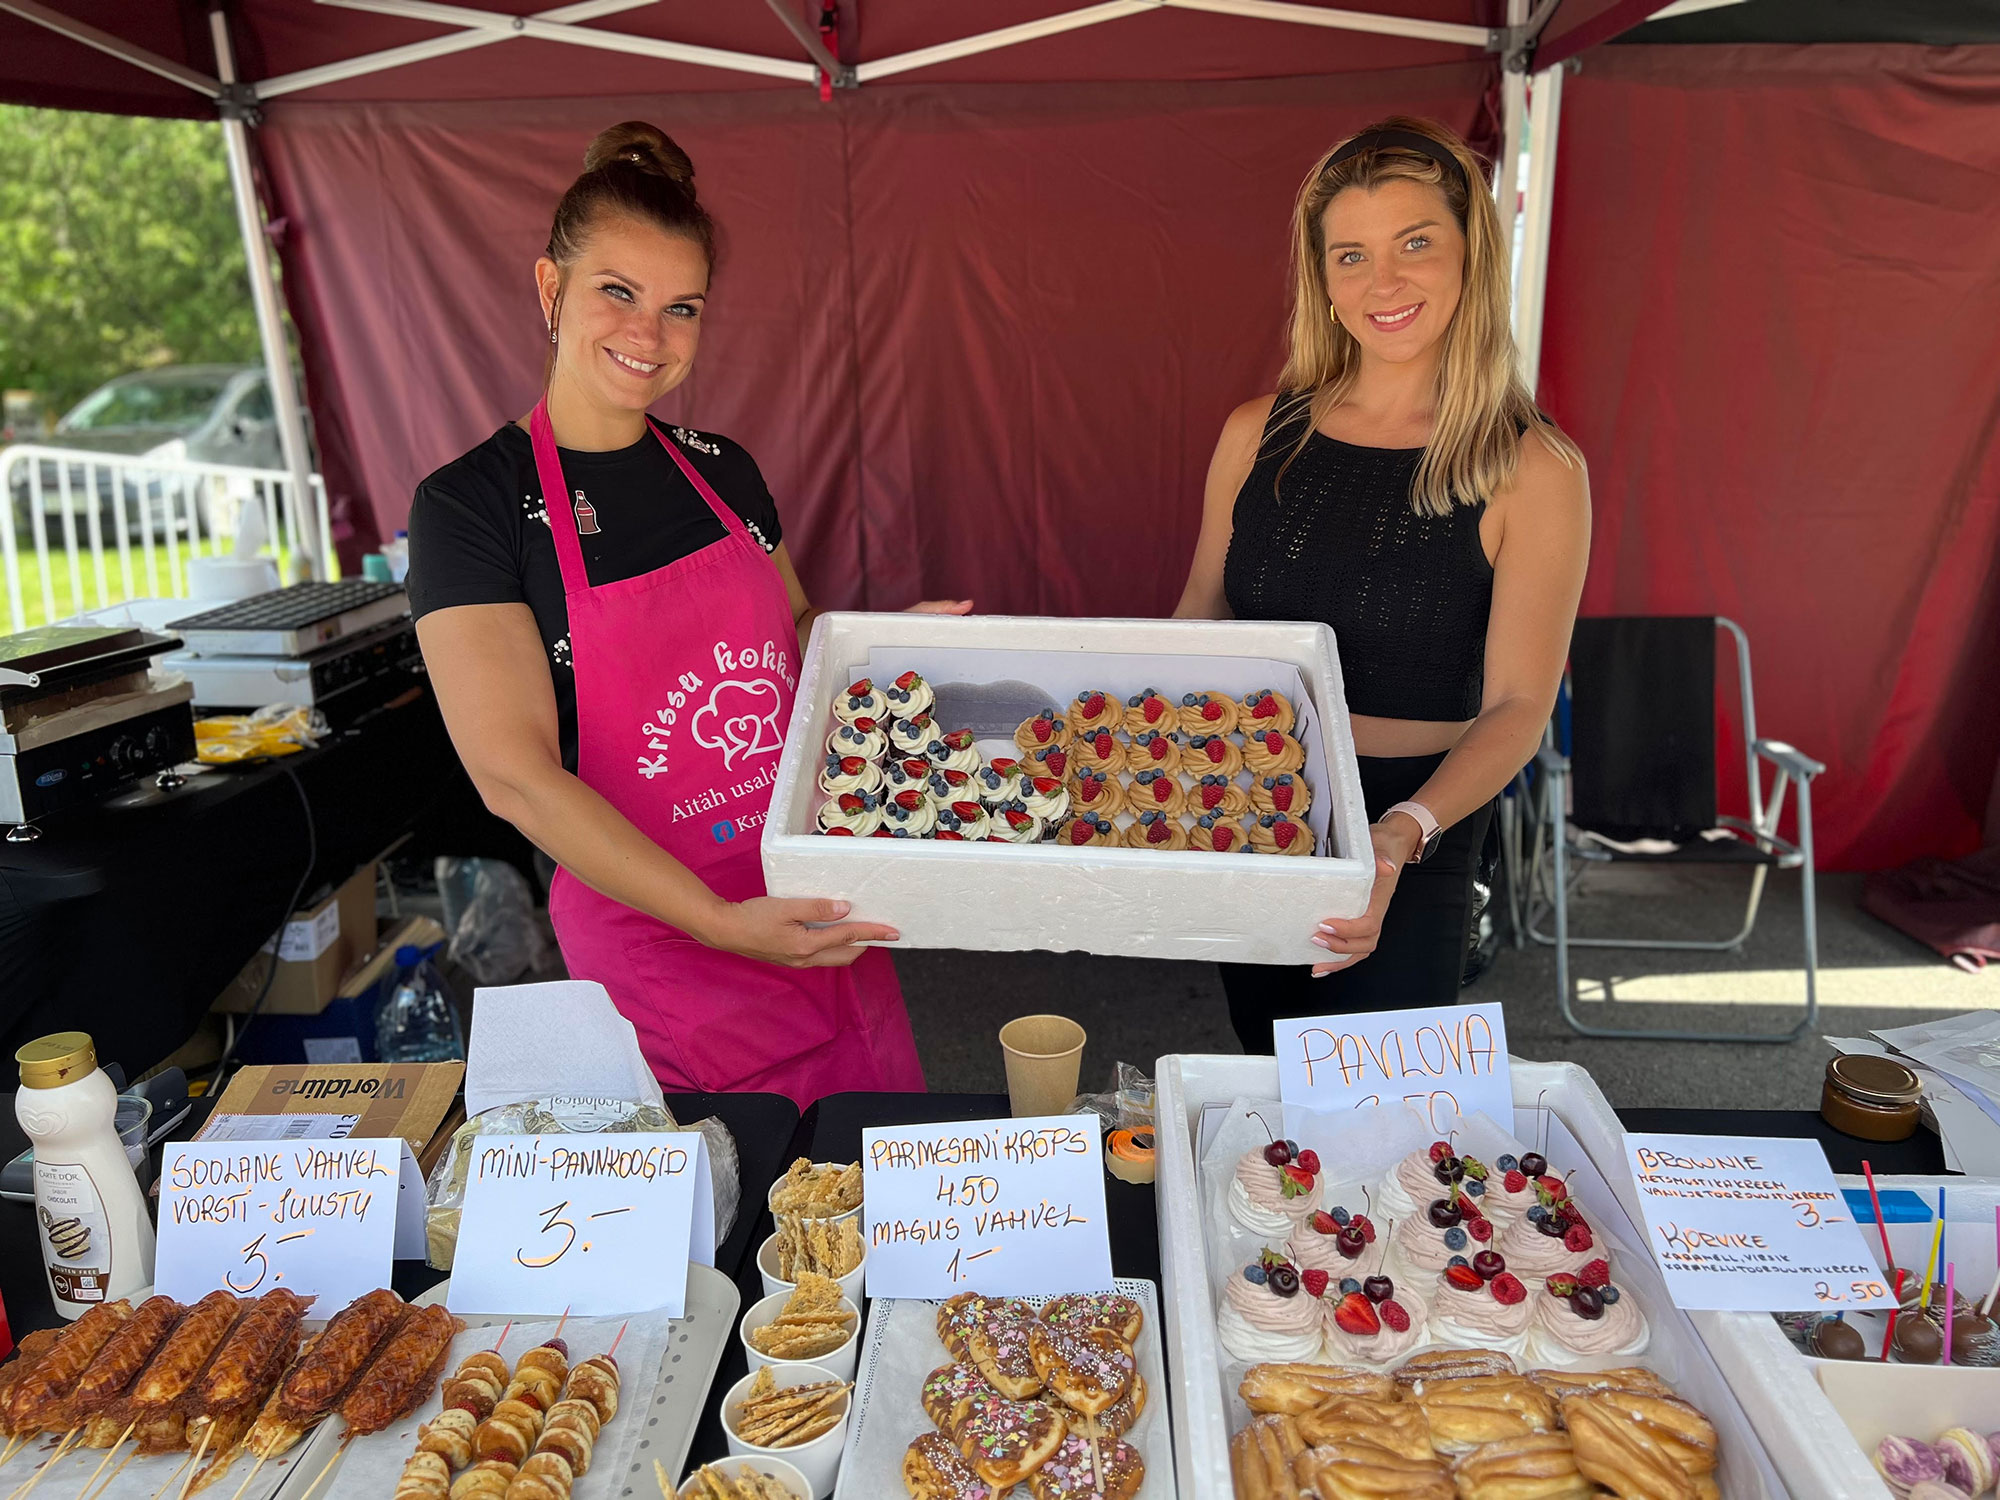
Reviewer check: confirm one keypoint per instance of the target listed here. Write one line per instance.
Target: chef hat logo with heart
(741, 720)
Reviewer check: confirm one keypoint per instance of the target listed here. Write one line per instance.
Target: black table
(763, 1124)
(126, 920)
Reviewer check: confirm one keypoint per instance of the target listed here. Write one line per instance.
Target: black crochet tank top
(1406, 594)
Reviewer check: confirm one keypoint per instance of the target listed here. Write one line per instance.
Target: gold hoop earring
(1333, 313)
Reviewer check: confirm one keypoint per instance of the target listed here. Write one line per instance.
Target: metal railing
(115, 526)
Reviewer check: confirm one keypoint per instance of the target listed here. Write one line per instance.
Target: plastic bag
(444, 1193)
(280, 729)
(495, 935)
(1128, 1105)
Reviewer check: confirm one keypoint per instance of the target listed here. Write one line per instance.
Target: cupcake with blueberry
(911, 737)
(953, 752)
(1099, 750)
(1268, 1316)
(1213, 833)
(1265, 710)
(1211, 752)
(1047, 798)
(1156, 830)
(1047, 760)
(1585, 1316)
(1275, 1188)
(863, 738)
(1216, 793)
(1481, 1304)
(997, 783)
(1041, 731)
(1089, 830)
(1155, 750)
(962, 821)
(1012, 823)
(908, 696)
(946, 785)
(1156, 791)
(1097, 792)
(1447, 1226)
(1284, 792)
(849, 773)
(851, 815)
(862, 700)
(910, 813)
(1551, 1238)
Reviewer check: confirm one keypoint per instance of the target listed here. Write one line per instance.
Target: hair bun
(645, 146)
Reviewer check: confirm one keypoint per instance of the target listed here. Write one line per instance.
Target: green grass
(64, 598)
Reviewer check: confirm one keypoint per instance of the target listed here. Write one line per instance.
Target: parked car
(219, 414)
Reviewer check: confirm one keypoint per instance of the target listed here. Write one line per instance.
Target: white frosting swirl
(939, 752)
(913, 735)
(953, 817)
(1479, 1319)
(1009, 829)
(860, 700)
(833, 779)
(850, 740)
(914, 822)
(1560, 1335)
(907, 702)
(1260, 1188)
(996, 786)
(1051, 806)
(859, 821)
(1256, 1324)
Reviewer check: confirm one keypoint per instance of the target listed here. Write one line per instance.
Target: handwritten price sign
(1011, 1208)
(596, 1224)
(1750, 1224)
(1446, 1061)
(318, 1217)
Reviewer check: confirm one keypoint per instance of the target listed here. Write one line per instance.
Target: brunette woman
(612, 626)
(1402, 487)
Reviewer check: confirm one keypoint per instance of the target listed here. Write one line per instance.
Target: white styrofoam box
(1200, 1405)
(1821, 1419)
(1240, 908)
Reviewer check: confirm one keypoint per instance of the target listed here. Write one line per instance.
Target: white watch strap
(1426, 824)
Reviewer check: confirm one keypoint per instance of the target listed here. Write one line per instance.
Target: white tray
(1201, 1405)
(1242, 908)
(660, 1399)
(902, 1347)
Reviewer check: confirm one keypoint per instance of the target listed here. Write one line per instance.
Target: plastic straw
(1889, 1334)
(1949, 1272)
(1882, 1224)
(1930, 1266)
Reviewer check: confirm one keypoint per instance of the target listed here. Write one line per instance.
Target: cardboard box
(379, 1100)
(345, 1030)
(317, 949)
(995, 670)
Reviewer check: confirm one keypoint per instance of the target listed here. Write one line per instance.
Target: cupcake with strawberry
(1039, 732)
(1047, 798)
(1207, 713)
(1426, 1240)
(1012, 823)
(1584, 1316)
(1551, 1238)
(849, 773)
(1214, 792)
(1093, 710)
(962, 821)
(1269, 753)
(910, 813)
(851, 814)
(1481, 1304)
(1047, 760)
(1156, 791)
(953, 752)
(1099, 750)
(1268, 1316)
(912, 736)
(1156, 830)
(997, 783)
(863, 738)
(1149, 711)
(1274, 833)
(862, 700)
(908, 696)
(946, 785)
(1275, 1188)
(1097, 792)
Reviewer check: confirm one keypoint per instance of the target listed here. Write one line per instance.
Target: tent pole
(309, 546)
(1544, 118)
(103, 41)
(1513, 121)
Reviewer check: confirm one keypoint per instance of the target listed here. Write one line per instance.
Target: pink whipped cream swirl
(1265, 1310)
(1617, 1332)
(1532, 1255)
(1480, 1313)
(1312, 1251)
(1262, 1184)
(1383, 1346)
(1422, 1244)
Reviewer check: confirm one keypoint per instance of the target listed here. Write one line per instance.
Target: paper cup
(794, 1482)
(1044, 1054)
(771, 1193)
(818, 1461)
(841, 1361)
(767, 1269)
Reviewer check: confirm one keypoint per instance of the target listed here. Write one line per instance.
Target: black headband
(1402, 140)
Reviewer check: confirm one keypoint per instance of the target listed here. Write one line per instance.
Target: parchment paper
(902, 1348)
(141, 1479)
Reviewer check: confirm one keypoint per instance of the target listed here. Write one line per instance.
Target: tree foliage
(118, 251)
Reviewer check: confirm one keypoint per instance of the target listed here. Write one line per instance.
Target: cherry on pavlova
(1510, 1188)
(1447, 1226)
(1418, 1178)
(1551, 1237)
(1267, 1315)
(1370, 1320)
(1584, 1316)
(1481, 1304)
(1275, 1188)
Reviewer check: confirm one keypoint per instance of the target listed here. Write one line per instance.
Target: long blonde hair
(1483, 407)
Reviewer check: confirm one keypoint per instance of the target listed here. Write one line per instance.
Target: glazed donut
(1211, 752)
(1264, 710)
(1155, 791)
(1274, 833)
(1156, 830)
(1272, 754)
(1285, 792)
(1207, 713)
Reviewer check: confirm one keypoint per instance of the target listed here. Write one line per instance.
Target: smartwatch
(1426, 825)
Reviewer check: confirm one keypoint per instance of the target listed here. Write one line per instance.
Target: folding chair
(1641, 699)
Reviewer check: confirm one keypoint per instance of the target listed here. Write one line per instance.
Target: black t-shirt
(479, 534)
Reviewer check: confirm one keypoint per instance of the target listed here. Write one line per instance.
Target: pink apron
(684, 686)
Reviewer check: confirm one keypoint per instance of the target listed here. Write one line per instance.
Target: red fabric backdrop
(1774, 327)
(981, 338)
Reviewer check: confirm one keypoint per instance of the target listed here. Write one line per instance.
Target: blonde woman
(1401, 486)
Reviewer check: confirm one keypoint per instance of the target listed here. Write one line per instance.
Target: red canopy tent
(983, 305)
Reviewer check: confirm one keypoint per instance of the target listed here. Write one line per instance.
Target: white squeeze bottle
(97, 1238)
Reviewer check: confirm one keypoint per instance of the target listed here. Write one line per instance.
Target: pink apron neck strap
(559, 505)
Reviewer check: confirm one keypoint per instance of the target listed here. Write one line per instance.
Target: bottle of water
(416, 1023)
